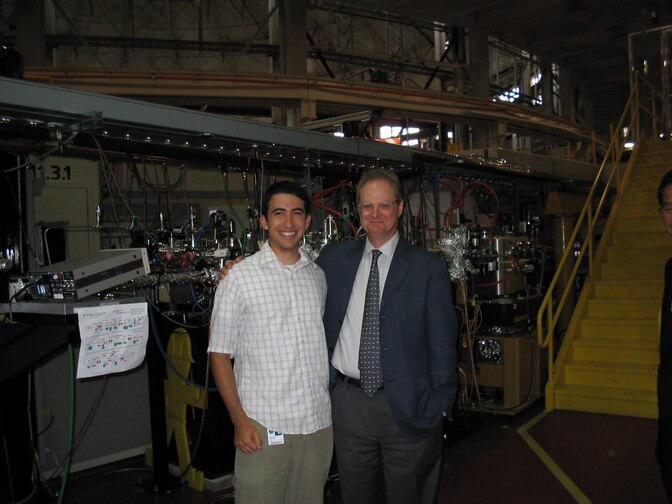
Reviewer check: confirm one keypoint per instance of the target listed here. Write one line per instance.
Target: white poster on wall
(114, 338)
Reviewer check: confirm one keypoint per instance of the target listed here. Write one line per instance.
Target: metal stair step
(624, 307)
(639, 220)
(645, 238)
(631, 287)
(626, 375)
(657, 255)
(619, 328)
(639, 195)
(637, 209)
(613, 270)
(612, 350)
(641, 403)
(644, 180)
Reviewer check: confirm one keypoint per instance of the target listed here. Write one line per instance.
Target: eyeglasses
(666, 209)
(383, 207)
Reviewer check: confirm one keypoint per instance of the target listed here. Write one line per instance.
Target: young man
(664, 445)
(267, 316)
(388, 424)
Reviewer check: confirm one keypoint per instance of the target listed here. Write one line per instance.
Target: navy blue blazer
(418, 328)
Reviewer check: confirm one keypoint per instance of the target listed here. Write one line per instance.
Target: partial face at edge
(667, 203)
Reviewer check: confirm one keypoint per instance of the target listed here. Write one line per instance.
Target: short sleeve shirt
(268, 317)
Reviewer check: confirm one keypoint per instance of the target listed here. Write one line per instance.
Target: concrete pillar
(287, 29)
(479, 63)
(567, 95)
(30, 33)
(547, 88)
(484, 134)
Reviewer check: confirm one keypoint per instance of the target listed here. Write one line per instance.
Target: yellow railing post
(637, 101)
(550, 343)
(654, 115)
(589, 238)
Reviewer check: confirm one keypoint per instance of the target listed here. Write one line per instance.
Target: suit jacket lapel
(401, 264)
(349, 271)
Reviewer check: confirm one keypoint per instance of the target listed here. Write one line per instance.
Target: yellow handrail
(608, 175)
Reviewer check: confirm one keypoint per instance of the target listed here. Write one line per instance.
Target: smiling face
(286, 221)
(379, 221)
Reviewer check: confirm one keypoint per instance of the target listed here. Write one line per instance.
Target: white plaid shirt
(268, 316)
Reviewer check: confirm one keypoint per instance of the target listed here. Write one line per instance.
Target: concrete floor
(555, 458)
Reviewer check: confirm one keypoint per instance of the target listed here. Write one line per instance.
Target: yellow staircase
(609, 357)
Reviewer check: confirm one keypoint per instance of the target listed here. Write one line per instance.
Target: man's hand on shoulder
(227, 267)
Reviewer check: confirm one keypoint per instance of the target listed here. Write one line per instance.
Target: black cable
(73, 495)
(19, 211)
(188, 381)
(51, 422)
(164, 354)
(16, 295)
(84, 428)
(10, 476)
(201, 427)
(180, 324)
(158, 187)
(106, 167)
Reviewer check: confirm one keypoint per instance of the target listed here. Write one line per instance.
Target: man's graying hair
(381, 174)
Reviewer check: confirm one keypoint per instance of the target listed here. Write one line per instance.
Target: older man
(391, 329)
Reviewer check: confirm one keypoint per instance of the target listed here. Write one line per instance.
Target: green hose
(71, 430)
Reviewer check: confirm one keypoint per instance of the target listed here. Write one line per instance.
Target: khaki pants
(291, 473)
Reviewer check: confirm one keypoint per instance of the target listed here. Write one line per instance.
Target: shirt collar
(267, 257)
(387, 249)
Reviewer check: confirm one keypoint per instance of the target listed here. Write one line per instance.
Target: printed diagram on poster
(114, 338)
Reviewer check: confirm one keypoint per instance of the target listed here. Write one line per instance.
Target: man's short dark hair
(285, 187)
(667, 180)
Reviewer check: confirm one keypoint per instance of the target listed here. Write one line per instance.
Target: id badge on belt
(275, 437)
